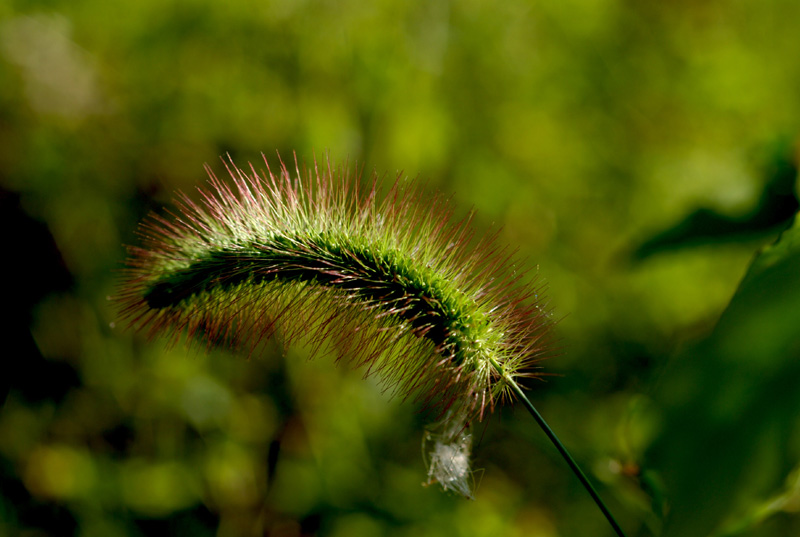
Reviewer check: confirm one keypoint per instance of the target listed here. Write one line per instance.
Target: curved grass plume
(382, 280)
(395, 286)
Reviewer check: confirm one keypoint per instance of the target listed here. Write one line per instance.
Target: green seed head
(390, 281)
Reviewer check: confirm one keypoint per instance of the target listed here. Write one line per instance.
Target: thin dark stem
(561, 449)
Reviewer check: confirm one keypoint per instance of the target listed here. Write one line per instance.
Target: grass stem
(561, 448)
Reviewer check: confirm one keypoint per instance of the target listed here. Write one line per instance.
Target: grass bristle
(390, 283)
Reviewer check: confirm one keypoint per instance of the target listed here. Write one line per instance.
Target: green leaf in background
(730, 404)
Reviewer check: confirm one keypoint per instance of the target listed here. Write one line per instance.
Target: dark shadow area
(34, 270)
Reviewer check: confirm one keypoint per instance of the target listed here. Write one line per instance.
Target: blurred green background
(638, 154)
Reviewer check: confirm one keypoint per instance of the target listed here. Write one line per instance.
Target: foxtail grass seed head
(387, 282)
